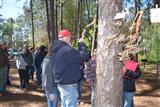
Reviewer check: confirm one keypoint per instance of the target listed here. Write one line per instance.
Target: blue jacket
(66, 63)
(38, 59)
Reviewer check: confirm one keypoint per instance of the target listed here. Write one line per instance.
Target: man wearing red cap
(66, 65)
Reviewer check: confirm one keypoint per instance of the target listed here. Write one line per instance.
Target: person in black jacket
(39, 56)
(3, 67)
(66, 64)
(27, 55)
(130, 74)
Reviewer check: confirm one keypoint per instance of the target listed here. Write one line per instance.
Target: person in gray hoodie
(48, 83)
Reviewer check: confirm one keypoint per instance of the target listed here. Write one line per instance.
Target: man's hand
(124, 71)
(81, 39)
(52, 97)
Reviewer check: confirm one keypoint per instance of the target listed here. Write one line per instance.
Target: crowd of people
(60, 71)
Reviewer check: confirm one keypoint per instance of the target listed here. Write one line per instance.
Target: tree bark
(148, 12)
(108, 89)
(94, 38)
(135, 1)
(56, 17)
(86, 2)
(10, 39)
(51, 19)
(61, 15)
(79, 17)
(32, 23)
(139, 5)
(48, 25)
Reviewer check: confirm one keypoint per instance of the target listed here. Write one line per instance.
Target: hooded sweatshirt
(3, 58)
(66, 62)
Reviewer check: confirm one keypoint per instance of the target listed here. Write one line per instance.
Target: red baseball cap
(64, 33)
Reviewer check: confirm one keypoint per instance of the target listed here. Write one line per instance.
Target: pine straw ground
(147, 95)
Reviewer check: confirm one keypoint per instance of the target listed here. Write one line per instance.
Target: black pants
(30, 69)
(23, 78)
(8, 70)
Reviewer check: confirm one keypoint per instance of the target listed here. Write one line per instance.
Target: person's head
(2, 44)
(31, 49)
(65, 35)
(25, 48)
(43, 48)
(94, 54)
(131, 56)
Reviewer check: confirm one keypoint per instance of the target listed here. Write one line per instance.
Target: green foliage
(70, 15)
(7, 31)
(1, 25)
(151, 41)
(23, 24)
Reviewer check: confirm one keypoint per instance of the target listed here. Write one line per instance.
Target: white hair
(65, 39)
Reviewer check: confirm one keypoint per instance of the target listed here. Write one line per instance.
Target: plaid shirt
(91, 71)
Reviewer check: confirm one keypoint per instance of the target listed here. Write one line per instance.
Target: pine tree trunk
(51, 19)
(87, 6)
(32, 23)
(139, 5)
(94, 38)
(48, 25)
(56, 18)
(78, 17)
(135, 6)
(148, 12)
(108, 89)
(61, 15)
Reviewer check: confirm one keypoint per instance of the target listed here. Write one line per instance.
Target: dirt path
(147, 95)
(15, 97)
(148, 89)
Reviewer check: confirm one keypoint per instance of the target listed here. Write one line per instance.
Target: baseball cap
(64, 33)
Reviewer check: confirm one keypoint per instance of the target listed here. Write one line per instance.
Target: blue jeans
(39, 77)
(69, 95)
(31, 71)
(55, 102)
(3, 79)
(23, 78)
(8, 70)
(128, 99)
(79, 88)
(92, 96)
(27, 74)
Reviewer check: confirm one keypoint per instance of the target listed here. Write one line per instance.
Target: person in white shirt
(21, 66)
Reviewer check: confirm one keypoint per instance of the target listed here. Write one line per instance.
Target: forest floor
(148, 88)
(147, 95)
